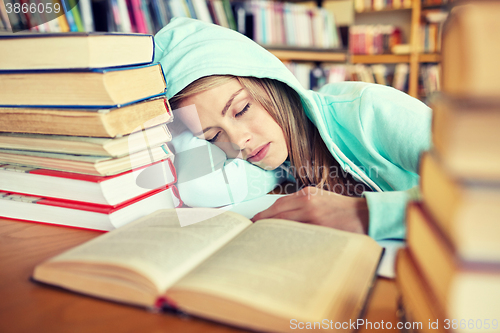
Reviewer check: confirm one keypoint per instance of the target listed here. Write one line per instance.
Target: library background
(390, 42)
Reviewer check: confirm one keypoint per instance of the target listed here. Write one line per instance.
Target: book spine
(87, 17)
(138, 16)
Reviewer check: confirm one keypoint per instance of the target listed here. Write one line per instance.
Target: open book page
(157, 246)
(287, 268)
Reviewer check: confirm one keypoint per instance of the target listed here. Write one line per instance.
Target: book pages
(281, 267)
(157, 246)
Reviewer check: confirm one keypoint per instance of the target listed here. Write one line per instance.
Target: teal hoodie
(376, 133)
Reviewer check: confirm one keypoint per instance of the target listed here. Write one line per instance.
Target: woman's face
(228, 117)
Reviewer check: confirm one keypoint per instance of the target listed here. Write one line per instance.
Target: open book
(261, 275)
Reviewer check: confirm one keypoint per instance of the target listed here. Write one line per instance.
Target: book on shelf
(85, 215)
(96, 122)
(465, 135)
(297, 25)
(430, 3)
(430, 78)
(470, 65)
(253, 275)
(431, 30)
(74, 50)
(417, 300)
(84, 145)
(85, 164)
(374, 39)
(401, 76)
(99, 190)
(466, 210)
(463, 289)
(94, 88)
(378, 5)
(4, 19)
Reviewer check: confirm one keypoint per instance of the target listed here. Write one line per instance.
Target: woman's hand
(316, 206)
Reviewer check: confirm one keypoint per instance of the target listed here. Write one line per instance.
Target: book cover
(83, 215)
(101, 190)
(65, 89)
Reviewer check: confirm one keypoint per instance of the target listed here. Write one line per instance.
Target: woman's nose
(239, 138)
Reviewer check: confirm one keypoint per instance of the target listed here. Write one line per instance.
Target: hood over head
(189, 49)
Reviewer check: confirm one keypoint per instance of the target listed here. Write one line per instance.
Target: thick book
(418, 302)
(85, 164)
(94, 88)
(469, 51)
(101, 190)
(465, 135)
(84, 215)
(84, 145)
(74, 50)
(463, 289)
(260, 276)
(108, 123)
(467, 211)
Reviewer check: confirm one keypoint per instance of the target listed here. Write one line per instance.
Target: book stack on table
(83, 130)
(449, 276)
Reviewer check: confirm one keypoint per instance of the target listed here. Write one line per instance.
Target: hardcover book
(467, 211)
(74, 50)
(84, 145)
(469, 52)
(101, 190)
(95, 88)
(417, 299)
(464, 289)
(85, 164)
(465, 135)
(98, 122)
(258, 276)
(84, 215)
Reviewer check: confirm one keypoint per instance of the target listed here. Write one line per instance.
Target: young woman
(353, 148)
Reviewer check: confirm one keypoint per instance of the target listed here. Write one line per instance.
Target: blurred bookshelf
(311, 55)
(306, 35)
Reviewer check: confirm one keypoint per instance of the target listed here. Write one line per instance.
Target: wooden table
(26, 306)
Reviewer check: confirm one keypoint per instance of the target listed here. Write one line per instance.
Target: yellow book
(271, 275)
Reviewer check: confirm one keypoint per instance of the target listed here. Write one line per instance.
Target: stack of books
(83, 130)
(449, 276)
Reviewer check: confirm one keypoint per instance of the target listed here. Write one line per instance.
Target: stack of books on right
(449, 275)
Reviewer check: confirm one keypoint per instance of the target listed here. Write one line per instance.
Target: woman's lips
(261, 153)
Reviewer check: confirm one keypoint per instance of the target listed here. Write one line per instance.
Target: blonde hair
(310, 159)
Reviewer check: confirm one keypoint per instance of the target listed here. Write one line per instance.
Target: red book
(102, 190)
(85, 215)
(139, 17)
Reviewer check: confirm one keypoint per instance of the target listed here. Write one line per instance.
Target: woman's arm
(392, 129)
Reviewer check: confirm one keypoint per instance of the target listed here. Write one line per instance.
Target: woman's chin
(265, 166)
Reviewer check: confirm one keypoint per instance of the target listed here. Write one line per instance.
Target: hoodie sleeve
(392, 129)
(206, 178)
(399, 127)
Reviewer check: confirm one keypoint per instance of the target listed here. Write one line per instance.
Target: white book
(87, 16)
(80, 215)
(202, 12)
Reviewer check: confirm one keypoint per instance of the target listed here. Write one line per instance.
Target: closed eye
(245, 109)
(214, 139)
(239, 114)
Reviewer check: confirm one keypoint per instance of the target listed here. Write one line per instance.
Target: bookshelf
(416, 56)
(107, 15)
(312, 55)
